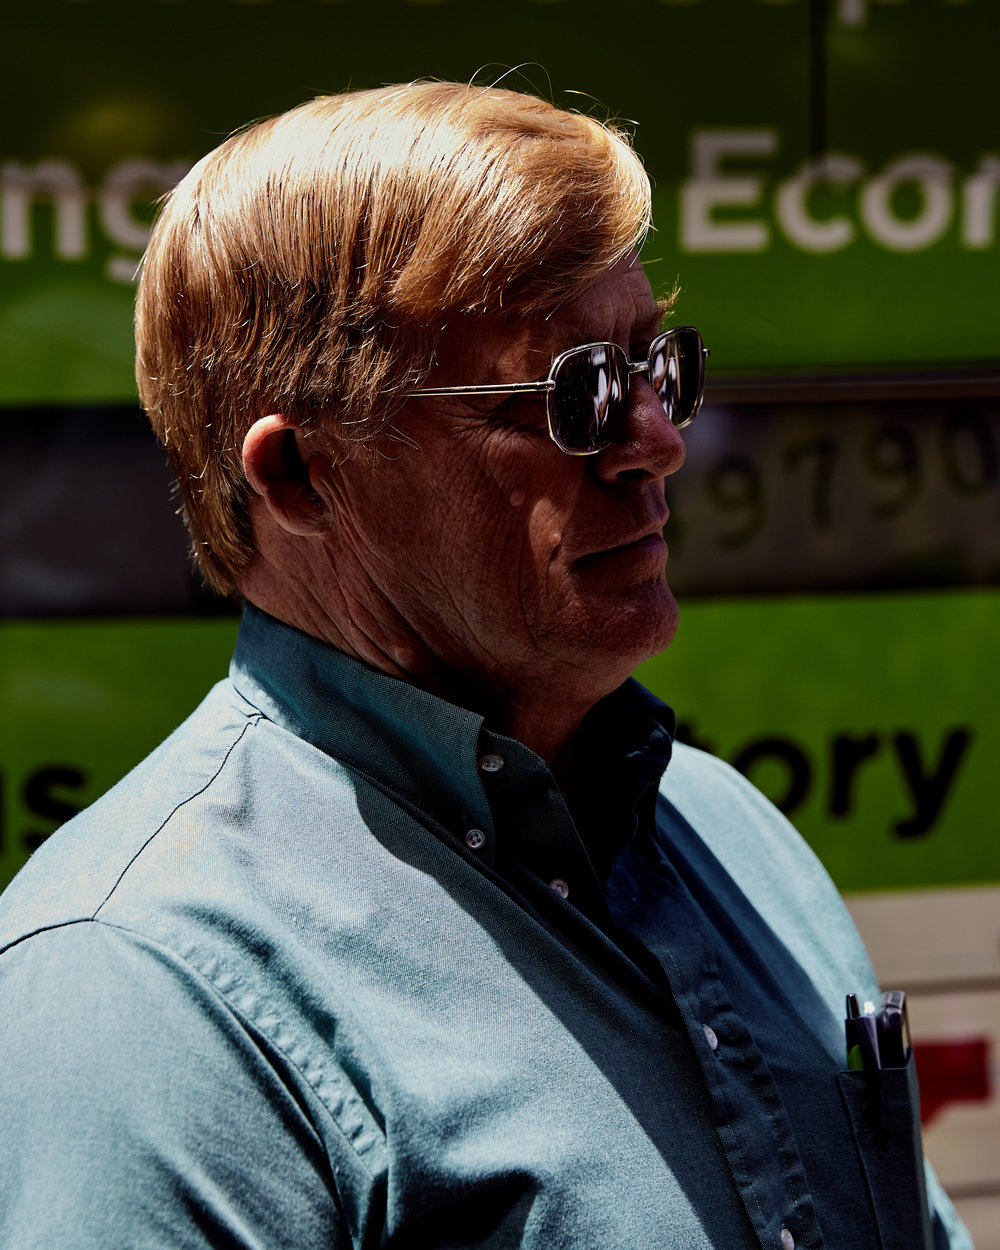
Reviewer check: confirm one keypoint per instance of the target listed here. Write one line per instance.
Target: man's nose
(649, 444)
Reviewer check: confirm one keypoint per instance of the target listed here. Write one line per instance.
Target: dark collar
(426, 749)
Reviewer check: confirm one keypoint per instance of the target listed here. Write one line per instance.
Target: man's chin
(634, 629)
(660, 627)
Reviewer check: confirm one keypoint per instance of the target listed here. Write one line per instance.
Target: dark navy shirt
(334, 968)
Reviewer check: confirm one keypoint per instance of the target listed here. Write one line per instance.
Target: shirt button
(787, 1240)
(560, 886)
(491, 762)
(475, 839)
(713, 1041)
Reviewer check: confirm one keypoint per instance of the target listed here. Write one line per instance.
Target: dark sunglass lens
(590, 393)
(676, 374)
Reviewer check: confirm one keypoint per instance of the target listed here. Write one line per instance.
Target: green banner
(826, 193)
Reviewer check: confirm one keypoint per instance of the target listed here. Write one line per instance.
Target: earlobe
(279, 468)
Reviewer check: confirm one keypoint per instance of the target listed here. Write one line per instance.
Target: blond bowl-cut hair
(308, 265)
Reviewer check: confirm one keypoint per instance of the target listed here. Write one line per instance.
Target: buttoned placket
(752, 1123)
(765, 1165)
(533, 825)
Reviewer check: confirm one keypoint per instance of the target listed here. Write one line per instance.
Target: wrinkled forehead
(618, 308)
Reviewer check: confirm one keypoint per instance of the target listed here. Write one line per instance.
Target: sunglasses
(586, 392)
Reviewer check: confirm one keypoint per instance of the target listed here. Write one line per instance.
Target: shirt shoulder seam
(251, 720)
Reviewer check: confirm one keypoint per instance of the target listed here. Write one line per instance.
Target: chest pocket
(891, 1155)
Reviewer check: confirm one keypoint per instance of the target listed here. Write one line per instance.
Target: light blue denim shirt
(332, 968)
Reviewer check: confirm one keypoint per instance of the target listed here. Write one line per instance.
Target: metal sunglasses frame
(549, 384)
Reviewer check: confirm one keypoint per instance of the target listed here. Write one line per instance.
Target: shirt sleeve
(949, 1231)
(139, 1111)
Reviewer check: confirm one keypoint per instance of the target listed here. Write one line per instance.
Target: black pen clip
(893, 1029)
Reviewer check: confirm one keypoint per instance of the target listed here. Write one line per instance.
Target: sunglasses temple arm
(499, 388)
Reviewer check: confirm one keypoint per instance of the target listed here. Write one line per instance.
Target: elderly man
(400, 939)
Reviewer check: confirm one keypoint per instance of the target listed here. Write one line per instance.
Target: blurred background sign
(826, 171)
(826, 181)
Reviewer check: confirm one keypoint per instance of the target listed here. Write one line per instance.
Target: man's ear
(282, 468)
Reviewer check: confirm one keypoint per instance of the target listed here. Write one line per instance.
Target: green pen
(861, 1034)
(854, 1060)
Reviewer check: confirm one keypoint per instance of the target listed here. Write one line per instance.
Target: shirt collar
(621, 752)
(396, 734)
(427, 750)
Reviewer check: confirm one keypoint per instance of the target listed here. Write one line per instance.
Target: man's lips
(649, 541)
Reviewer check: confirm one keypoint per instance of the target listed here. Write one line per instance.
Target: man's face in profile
(509, 559)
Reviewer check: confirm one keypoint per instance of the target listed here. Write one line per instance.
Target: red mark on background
(951, 1072)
